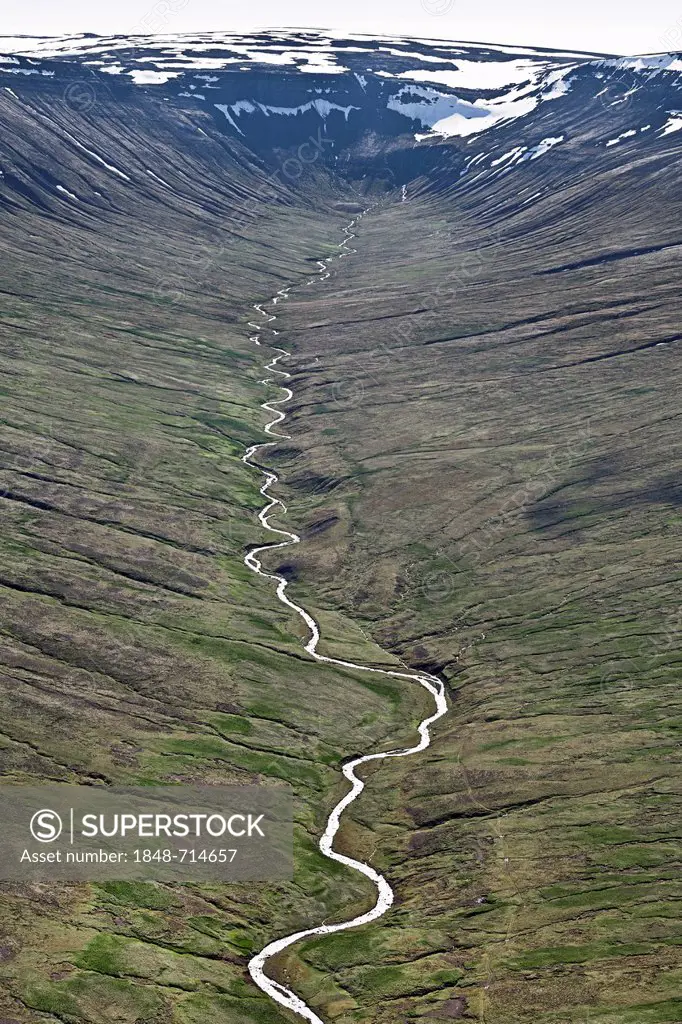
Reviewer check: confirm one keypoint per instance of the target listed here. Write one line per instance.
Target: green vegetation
(488, 488)
(137, 646)
(507, 512)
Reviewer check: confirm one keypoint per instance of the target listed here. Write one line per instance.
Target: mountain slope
(484, 467)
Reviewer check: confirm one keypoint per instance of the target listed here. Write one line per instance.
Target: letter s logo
(46, 826)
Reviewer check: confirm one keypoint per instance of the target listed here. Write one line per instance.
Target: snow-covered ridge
(652, 62)
(459, 89)
(454, 65)
(265, 83)
(286, 43)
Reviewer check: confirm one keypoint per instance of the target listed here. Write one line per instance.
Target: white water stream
(279, 993)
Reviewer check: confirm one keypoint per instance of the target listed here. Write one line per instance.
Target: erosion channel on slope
(281, 994)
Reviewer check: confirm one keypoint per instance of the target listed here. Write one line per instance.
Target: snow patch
(513, 155)
(27, 71)
(465, 118)
(544, 147)
(649, 62)
(246, 105)
(160, 180)
(322, 64)
(323, 108)
(98, 158)
(226, 111)
(673, 124)
(559, 85)
(520, 154)
(443, 113)
(470, 119)
(472, 74)
(619, 138)
(152, 77)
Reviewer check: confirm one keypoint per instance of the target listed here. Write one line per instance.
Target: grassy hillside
(491, 403)
(484, 466)
(136, 646)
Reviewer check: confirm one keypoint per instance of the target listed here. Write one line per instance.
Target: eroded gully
(280, 993)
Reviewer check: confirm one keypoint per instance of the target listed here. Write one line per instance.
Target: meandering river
(279, 993)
